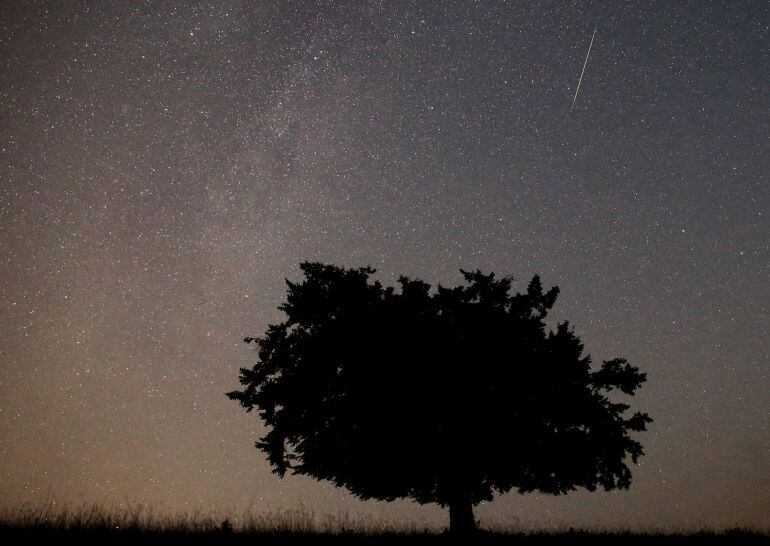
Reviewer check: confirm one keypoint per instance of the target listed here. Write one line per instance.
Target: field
(97, 524)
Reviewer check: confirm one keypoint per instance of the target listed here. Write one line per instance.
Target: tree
(441, 396)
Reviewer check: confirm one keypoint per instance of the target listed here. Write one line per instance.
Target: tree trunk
(461, 520)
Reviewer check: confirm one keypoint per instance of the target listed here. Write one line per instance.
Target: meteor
(584, 70)
(115, 169)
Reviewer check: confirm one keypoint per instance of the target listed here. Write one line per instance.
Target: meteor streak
(115, 169)
(584, 70)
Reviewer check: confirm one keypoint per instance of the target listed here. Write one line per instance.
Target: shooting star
(580, 80)
(115, 169)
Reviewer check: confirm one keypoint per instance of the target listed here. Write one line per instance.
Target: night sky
(165, 165)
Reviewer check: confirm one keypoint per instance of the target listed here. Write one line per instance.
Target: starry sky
(165, 165)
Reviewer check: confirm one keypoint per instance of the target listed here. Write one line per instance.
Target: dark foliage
(441, 396)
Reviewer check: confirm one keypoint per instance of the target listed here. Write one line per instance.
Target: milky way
(165, 165)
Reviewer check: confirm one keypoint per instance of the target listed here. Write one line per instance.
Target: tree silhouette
(441, 396)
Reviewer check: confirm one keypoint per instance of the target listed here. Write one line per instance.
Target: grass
(100, 524)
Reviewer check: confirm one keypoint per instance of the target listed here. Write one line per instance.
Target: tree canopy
(442, 395)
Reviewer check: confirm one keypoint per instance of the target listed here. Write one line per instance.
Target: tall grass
(99, 516)
(140, 518)
(93, 522)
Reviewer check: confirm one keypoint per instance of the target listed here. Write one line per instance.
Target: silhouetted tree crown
(442, 396)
